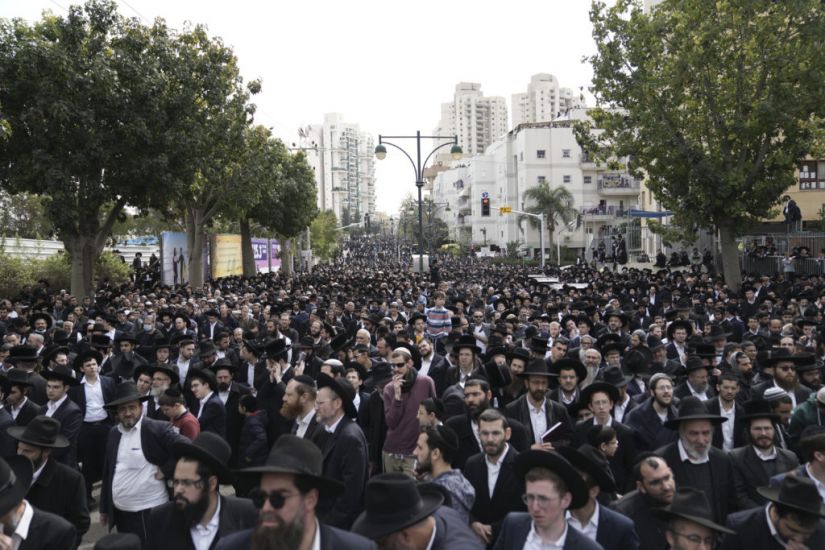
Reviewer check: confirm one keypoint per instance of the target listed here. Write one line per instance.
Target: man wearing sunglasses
(199, 516)
(289, 489)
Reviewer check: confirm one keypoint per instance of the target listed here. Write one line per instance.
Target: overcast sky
(387, 65)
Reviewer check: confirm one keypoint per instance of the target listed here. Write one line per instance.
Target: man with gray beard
(290, 486)
(695, 462)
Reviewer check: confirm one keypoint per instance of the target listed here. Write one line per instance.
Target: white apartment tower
(477, 120)
(544, 101)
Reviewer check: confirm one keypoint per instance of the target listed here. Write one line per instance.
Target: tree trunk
(286, 256)
(730, 258)
(194, 241)
(82, 254)
(247, 255)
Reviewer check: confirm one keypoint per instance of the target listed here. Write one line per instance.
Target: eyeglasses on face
(399, 365)
(276, 499)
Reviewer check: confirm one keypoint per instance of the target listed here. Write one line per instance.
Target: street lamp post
(381, 154)
(431, 222)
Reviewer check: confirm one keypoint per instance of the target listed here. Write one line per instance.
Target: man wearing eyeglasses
(784, 376)
(199, 516)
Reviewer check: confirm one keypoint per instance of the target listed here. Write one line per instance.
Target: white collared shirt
(765, 457)
(203, 402)
(357, 400)
(16, 410)
(474, 428)
(820, 487)
(619, 409)
(223, 396)
(21, 532)
(183, 368)
(538, 419)
(425, 364)
(52, 406)
(134, 486)
(493, 469)
(94, 400)
(592, 526)
(316, 541)
(250, 375)
(683, 456)
(727, 427)
(303, 423)
(331, 429)
(534, 541)
(701, 395)
(203, 535)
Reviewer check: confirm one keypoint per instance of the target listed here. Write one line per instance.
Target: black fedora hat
(275, 349)
(206, 347)
(499, 376)
(598, 386)
(619, 314)
(300, 457)
(100, 341)
(125, 392)
(691, 504)
(615, 376)
(467, 341)
(519, 353)
(717, 333)
(612, 346)
(797, 492)
(342, 389)
(758, 408)
(41, 431)
(210, 449)
(18, 377)
(393, 502)
(340, 342)
(15, 478)
(695, 363)
(569, 364)
(535, 367)
(783, 355)
(556, 463)
(204, 375)
(165, 369)
(84, 356)
(679, 323)
(607, 338)
(62, 373)
(590, 461)
(47, 354)
(381, 372)
(125, 337)
(24, 353)
(42, 315)
(693, 408)
(705, 351)
(538, 344)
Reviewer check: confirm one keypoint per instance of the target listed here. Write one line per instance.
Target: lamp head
(455, 151)
(380, 152)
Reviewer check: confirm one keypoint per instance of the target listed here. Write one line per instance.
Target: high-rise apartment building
(477, 120)
(544, 101)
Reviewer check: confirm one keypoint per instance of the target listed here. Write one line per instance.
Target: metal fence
(772, 265)
(777, 244)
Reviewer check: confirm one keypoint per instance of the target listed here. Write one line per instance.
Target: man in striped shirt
(438, 319)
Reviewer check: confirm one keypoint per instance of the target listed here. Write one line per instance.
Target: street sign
(505, 209)
(485, 195)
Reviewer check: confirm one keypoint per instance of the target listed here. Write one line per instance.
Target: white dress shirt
(493, 469)
(765, 457)
(538, 419)
(619, 409)
(52, 406)
(21, 532)
(534, 541)
(425, 364)
(331, 429)
(701, 395)
(727, 427)
(303, 423)
(203, 402)
(183, 368)
(16, 410)
(94, 400)
(592, 526)
(820, 487)
(203, 535)
(134, 486)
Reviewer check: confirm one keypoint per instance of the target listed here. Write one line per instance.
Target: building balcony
(600, 213)
(618, 184)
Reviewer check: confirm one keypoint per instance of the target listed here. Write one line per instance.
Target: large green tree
(556, 203)
(325, 235)
(716, 101)
(93, 122)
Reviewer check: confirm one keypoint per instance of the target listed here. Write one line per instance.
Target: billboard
(265, 250)
(174, 258)
(226, 259)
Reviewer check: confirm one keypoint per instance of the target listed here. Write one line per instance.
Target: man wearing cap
(138, 459)
(695, 462)
(809, 413)
(690, 525)
(25, 358)
(199, 516)
(55, 488)
(21, 408)
(230, 393)
(400, 514)
(289, 488)
(253, 371)
(124, 364)
(299, 405)
(344, 448)
(655, 487)
(163, 377)
(209, 410)
(677, 334)
(784, 376)
(24, 526)
(696, 384)
(63, 409)
(569, 373)
(755, 464)
(552, 486)
(731, 434)
(608, 528)
(792, 519)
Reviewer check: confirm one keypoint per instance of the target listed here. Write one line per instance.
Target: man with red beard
(299, 405)
(199, 516)
(290, 486)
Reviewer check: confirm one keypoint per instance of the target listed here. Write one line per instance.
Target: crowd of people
(362, 405)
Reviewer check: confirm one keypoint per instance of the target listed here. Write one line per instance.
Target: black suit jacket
(156, 439)
(71, 420)
(554, 412)
(516, 527)
(374, 423)
(748, 474)
(37, 392)
(682, 390)
(8, 445)
(650, 528)
(507, 492)
(331, 539)
(61, 490)
(622, 462)
(739, 435)
(345, 459)
(234, 419)
(468, 444)
(615, 531)
(27, 413)
(49, 532)
(213, 417)
(722, 477)
(752, 532)
(168, 529)
(78, 393)
(438, 372)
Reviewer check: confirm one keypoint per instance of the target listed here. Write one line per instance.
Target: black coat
(451, 533)
(331, 539)
(253, 447)
(213, 417)
(374, 425)
(37, 392)
(78, 393)
(61, 490)
(650, 432)
(517, 525)
(622, 462)
(615, 531)
(71, 420)
(651, 529)
(270, 399)
(748, 474)
(8, 445)
(468, 444)
(739, 427)
(156, 439)
(346, 460)
(234, 418)
(682, 390)
(29, 410)
(438, 372)
(752, 532)
(722, 477)
(554, 412)
(168, 529)
(49, 532)
(507, 493)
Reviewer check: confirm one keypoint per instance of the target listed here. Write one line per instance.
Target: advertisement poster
(262, 255)
(226, 256)
(174, 258)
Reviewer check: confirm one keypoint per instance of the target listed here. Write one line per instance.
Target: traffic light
(485, 206)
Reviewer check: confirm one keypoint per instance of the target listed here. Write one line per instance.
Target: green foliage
(513, 249)
(555, 203)
(717, 102)
(24, 215)
(325, 235)
(17, 273)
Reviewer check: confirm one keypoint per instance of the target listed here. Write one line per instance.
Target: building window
(540, 154)
(567, 179)
(588, 179)
(565, 153)
(542, 179)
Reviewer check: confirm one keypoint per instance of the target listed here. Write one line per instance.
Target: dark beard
(475, 410)
(193, 511)
(223, 386)
(282, 537)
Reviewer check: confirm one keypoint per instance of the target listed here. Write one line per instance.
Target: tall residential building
(544, 101)
(344, 163)
(477, 120)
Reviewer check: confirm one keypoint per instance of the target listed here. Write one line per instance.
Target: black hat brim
(18, 433)
(772, 494)
(673, 423)
(578, 460)
(190, 450)
(325, 381)
(587, 393)
(375, 529)
(328, 487)
(12, 495)
(666, 514)
(125, 400)
(556, 463)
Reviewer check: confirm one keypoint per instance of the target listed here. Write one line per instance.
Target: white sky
(387, 65)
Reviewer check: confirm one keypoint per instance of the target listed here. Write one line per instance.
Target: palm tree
(556, 205)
